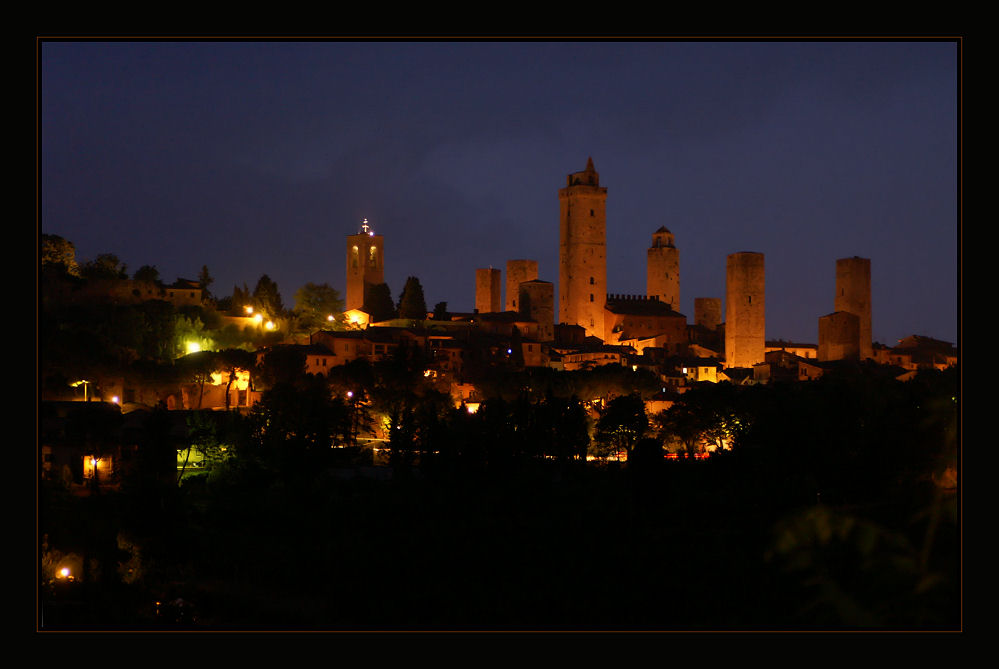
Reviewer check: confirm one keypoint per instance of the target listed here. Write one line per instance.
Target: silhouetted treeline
(832, 510)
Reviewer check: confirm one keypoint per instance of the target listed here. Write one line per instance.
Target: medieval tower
(582, 278)
(517, 272)
(487, 290)
(707, 312)
(365, 264)
(744, 310)
(537, 302)
(663, 269)
(853, 295)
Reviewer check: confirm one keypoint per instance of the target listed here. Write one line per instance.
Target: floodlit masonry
(745, 314)
(582, 280)
(365, 264)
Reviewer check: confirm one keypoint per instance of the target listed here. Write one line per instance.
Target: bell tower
(365, 264)
(582, 278)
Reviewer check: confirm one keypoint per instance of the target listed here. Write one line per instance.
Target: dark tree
(378, 302)
(147, 273)
(314, 304)
(59, 253)
(204, 280)
(241, 299)
(412, 304)
(571, 435)
(623, 422)
(440, 312)
(267, 298)
(282, 365)
(104, 266)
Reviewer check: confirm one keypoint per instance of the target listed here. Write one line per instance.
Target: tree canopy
(412, 304)
(267, 298)
(623, 422)
(378, 302)
(104, 266)
(315, 303)
(59, 252)
(147, 273)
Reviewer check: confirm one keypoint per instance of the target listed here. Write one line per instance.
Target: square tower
(662, 269)
(745, 323)
(517, 272)
(853, 295)
(365, 264)
(582, 278)
(487, 290)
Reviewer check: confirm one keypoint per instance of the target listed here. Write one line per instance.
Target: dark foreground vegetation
(835, 509)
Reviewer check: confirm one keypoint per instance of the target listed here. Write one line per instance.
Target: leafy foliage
(412, 304)
(623, 422)
(267, 298)
(59, 253)
(378, 302)
(104, 266)
(314, 303)
(147, 273)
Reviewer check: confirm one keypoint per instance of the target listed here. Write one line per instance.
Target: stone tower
(487, 290)
(839, 336)
(707, 312)
(537, 302)
(582, 277)
(517, 272)
(745, 324)
(853, 295)
(662, 269)
(365, 264)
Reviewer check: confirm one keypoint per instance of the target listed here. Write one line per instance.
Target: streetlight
(85, 384)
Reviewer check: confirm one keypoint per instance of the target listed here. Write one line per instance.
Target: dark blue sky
(260, 157)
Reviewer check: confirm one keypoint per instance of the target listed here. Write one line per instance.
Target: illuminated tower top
(365, 264)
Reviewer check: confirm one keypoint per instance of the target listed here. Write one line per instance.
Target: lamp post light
(84, 383)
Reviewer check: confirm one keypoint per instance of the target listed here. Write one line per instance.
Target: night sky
(260, 157)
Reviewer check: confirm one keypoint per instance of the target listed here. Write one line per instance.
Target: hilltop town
(585, 460)
(590, 328)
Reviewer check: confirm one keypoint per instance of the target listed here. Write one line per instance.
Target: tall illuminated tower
(365, 264)
(745, 324)
(582, 278)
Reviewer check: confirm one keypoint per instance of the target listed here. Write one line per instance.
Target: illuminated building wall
(582, 281)
(745, 322)
(663, 269)
(853, 294)
(487, 290)
(517, 272)
(365, 264)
